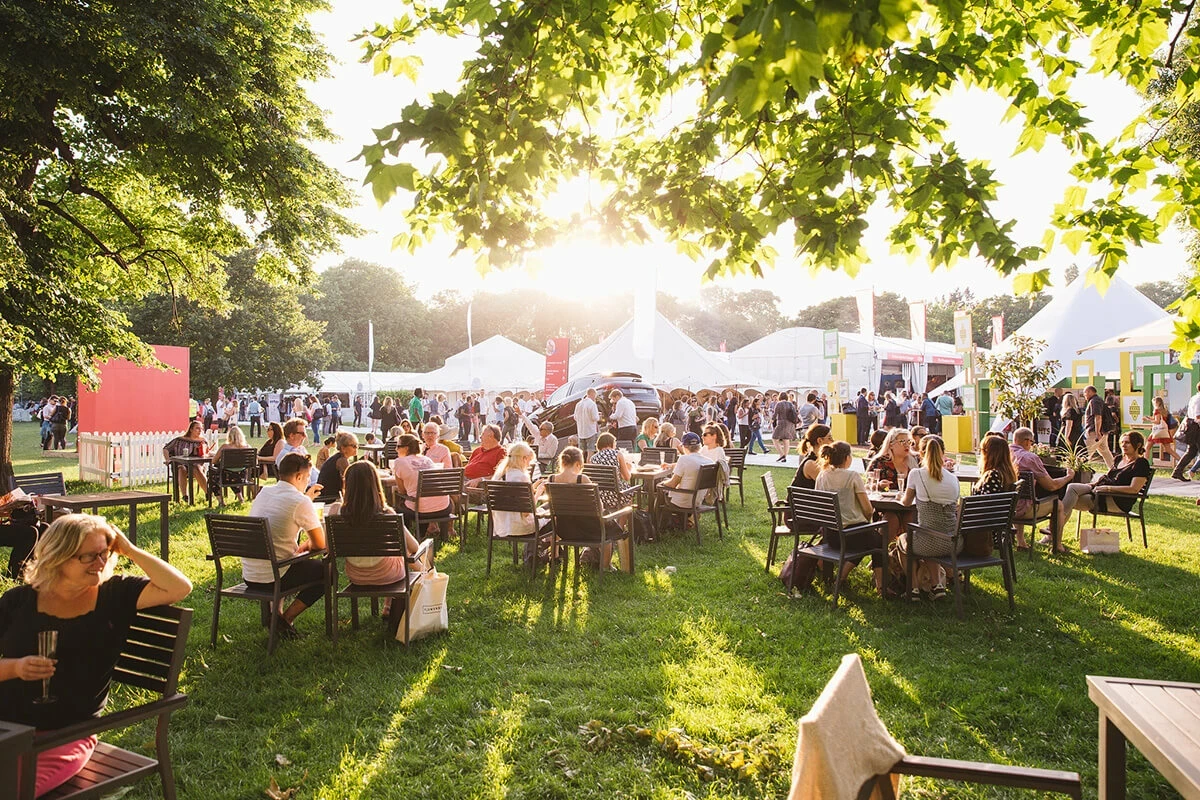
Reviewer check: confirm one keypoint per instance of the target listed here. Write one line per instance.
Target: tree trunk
(7, 387)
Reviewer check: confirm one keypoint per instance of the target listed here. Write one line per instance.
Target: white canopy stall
(494, 365)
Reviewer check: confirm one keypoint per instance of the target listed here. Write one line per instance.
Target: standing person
(873, 417)
(742, 418)
(891, 413)
(1052, 408)
(755, 419)
(254, 410)
(416, 407)
(463, 415)
(624, 416)
(1161, 430)
(731, 412)
(316, 413)
(945, 406)
(862, 415)
(933, 418)
(1095, 437)
(46, 413)
(1070, 429)
(70, 587)
(375, 414)
(358, 409)
(809, 414)
(389, 416)
(59, 421)
(905, 406)
(785, 426)
(508, 413)
(1112, 419)
(335, 414)
(1191, 433)
(587, 422)
(476, 418)
(289, 510)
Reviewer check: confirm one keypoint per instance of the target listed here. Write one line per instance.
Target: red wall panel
(133, 399)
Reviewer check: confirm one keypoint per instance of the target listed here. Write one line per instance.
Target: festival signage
(557, 363)
(829, 340)
(962, 331)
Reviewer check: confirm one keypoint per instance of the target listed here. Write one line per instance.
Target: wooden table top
(1161, 719)
(652, 471)
(189, 459)
(104, 498)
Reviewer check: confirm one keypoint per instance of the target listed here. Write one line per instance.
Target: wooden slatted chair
(150, 660)
(707, 480)
(1111, 509)
(659, 455)
(435, 483)
(579, 521)
(625, 444)
(608, 479)
(818, 514)
(1028, 492)
(382, 537)
(41, 483)
(232, 536)
(389, 453)
(776, 508)
(513, 498)
(237, 469)
(737, 473)
(989, 514)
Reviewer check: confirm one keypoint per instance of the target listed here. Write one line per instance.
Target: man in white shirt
(624, 415)
(254, 410)
(289, 510)
(544, 440)
(46, 413)
(587, 422)
(1192, 437)
(295, 434)
(687, 472)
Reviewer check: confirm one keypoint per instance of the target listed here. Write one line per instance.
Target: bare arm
(1132, 488)
(864, 502)
(167, 584)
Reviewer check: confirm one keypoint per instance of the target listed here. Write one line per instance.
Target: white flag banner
(997, 330)
(866, 312)
(916, 322)
(370, 345)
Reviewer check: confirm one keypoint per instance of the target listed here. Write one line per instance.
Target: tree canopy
(139, 142)
(721, 125)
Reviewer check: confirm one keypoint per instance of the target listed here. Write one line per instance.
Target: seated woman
(667, 438)
(608, 454)
(934, 490)
(234, 440)
(362, 500)
(70, 588)
(648, 435)
(853, 504)
(515, 469)
(997, 474)
(190, 444)
(875, 444)
(712, 447)
(334, 468)
(570, 470)
(324, 453)
(1120, 485)
(406, 466)
(814, 439)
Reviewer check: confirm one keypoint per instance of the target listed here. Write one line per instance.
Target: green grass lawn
(492, 709)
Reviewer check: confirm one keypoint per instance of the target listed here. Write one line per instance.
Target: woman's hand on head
(121, 544)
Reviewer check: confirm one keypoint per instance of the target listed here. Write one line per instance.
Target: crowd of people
(57, 415)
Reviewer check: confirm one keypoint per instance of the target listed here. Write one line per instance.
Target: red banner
(558, 363)
(133, 399)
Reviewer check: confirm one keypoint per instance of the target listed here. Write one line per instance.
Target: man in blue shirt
(254, 410)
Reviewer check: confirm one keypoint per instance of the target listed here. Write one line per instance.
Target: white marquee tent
(1080, 316)
(495, 364)
(663, 355)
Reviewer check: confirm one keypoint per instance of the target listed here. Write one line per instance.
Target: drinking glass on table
(47, 648)
(900, 481)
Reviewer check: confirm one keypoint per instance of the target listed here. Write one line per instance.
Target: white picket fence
(123, 459)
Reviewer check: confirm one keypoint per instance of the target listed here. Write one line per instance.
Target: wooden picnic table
(1160, 718)
(79, 503)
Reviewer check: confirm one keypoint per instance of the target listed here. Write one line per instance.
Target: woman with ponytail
(853, 504)
(934, 490)
(814, 438)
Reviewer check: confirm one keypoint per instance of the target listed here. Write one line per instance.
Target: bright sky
(358, 101)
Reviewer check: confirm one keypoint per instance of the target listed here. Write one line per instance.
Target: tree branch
(116, 257)
(1187, 13)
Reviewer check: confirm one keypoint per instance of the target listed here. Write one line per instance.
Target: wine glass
(47, 648)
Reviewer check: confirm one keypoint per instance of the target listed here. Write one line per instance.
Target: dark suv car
(560, 406)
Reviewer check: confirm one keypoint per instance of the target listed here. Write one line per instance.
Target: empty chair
(737, 471)
(659, 455)
(777, 509)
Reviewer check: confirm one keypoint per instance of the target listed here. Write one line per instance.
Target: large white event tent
(494, 365)
(1156, 335)
(1080, 316)
(795, 357)
(663, 355)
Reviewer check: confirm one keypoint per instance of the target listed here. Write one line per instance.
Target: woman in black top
(810, 445)
(70, 588)
(274, 434)
(1071, 426)
(335, 466)
(1120, 485)
(389, 417)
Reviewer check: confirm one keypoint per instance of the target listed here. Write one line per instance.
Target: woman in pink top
(435, 451)
(405, 467)
(363, 501)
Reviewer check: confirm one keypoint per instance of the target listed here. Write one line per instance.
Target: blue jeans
(756, 437)
(316, 432)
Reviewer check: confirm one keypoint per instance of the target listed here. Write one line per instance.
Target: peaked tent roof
(675, 360)
(1156, 335)
(496, 364)
(346, 382)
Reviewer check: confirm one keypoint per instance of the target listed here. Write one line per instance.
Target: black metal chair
(818, 514)
(1028, 493)
(435, 483)
(579, 521)
(382, 537)
(777, 509)
(236, 468)
(41, 483)
(233, 536)
(659, 455)
(1106, 506)
(737, 472)
(708, 480)
(512, 498)
(989, 514)
(150, 661)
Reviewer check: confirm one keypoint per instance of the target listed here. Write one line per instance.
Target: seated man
(1025, 460)
(434, 449)
(687, 473)
(289, 509)
(295, 440)
(544, 440)
(485, 458)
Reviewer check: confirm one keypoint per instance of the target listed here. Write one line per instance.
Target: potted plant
(1019, 381)
(1049, 455)
(1073, 459)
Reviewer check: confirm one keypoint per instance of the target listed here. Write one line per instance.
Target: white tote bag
(427, 613)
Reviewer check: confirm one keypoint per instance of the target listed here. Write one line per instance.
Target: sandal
(939, 592)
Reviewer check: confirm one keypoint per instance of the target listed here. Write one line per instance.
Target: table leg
(191, 485)
(163, 531)
(133, 523)
(1112, 761)
(173, 477)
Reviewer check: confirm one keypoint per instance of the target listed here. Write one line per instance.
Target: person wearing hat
(687, 472)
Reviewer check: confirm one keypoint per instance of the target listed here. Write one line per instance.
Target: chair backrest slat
(603, 475)
(390, 450)
(379, 537)
(768, 482)
(708, 477)
(986, 512)
(232, 536)
(154, 648)
(574, 499)
(239, 459)
(665, 455)
(41, 483)
(737, 459)
(439, 482)
(814, 509)
(506, 496)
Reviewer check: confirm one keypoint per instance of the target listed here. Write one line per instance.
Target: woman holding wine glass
(71, 595)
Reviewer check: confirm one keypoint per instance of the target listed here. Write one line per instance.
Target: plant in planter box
(1048, 454)
(1019, 382)
(1073, 459)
